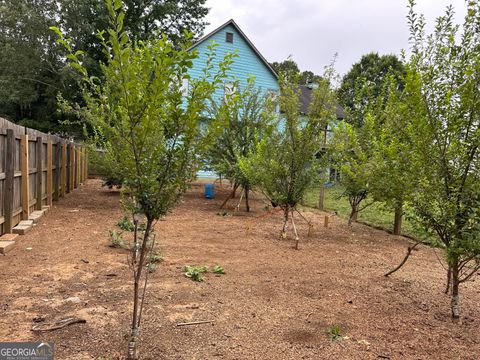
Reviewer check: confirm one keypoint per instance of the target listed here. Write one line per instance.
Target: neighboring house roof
(234, 24)
(305, 97)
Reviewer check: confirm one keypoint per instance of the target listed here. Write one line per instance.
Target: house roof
(237, 28)
(305, 97)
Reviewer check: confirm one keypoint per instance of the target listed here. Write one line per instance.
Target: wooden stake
(25, 178)
(195, 322)
(295, 232)
(325, 223)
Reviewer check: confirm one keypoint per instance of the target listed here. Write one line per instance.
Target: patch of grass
(195, 272)
(376, 214)
(334, 333)
(217, 269)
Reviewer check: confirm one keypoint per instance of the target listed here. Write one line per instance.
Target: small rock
(73, 300)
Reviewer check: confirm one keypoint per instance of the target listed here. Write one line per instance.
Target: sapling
(149, 124)
(285, 163)
(442, 99)
(244, 116)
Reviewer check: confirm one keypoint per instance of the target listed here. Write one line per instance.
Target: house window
(229, 37)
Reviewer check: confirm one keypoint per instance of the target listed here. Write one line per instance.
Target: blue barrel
(209, 191)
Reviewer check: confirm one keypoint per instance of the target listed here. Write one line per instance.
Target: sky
(312, 31)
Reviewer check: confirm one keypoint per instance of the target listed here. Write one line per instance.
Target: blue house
(249, 62)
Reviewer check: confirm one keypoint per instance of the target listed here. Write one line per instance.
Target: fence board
(8, 204)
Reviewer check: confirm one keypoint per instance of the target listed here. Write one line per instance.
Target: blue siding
(246, 64)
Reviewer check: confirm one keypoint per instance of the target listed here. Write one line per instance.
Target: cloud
(313, 31)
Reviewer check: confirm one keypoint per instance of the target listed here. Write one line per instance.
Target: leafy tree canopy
(372, 70)
(290, 68)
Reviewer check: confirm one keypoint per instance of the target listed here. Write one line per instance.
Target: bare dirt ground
(273, 303)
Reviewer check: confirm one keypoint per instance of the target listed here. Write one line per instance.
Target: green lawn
(376, 214)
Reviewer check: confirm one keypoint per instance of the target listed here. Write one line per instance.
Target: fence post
(72, 169)
(25, 178)
(58, 149)
(39, 176)
(79, 159)
(64, 169)
(9, 176)
(84, 170)
(49, 172)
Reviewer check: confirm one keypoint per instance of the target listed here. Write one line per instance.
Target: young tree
(443, 99)
(351, 152)
(244, 117)
(392, 180)
(284, 164)
(149, 127)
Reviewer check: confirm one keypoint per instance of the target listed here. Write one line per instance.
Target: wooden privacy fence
(35, 169)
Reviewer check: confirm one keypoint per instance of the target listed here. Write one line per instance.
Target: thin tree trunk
(397, 225)
(353, 215)
(247, 205)
(449, 279)
(138, 267)
(285, 223)
(231, 196)
(235, 187)
(321, 196)
(455, 305)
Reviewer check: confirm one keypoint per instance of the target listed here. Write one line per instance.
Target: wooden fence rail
(35, 170)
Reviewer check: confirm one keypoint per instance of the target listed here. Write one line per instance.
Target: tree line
(33, 71)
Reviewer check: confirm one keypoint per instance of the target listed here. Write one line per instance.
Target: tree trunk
(455, 305)
(353, 215)
(321, 197)
(449, 279)
(285, 223)
(138, 267)
(247, 205)
(231, 196)
(234, 192)
(397, 225)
